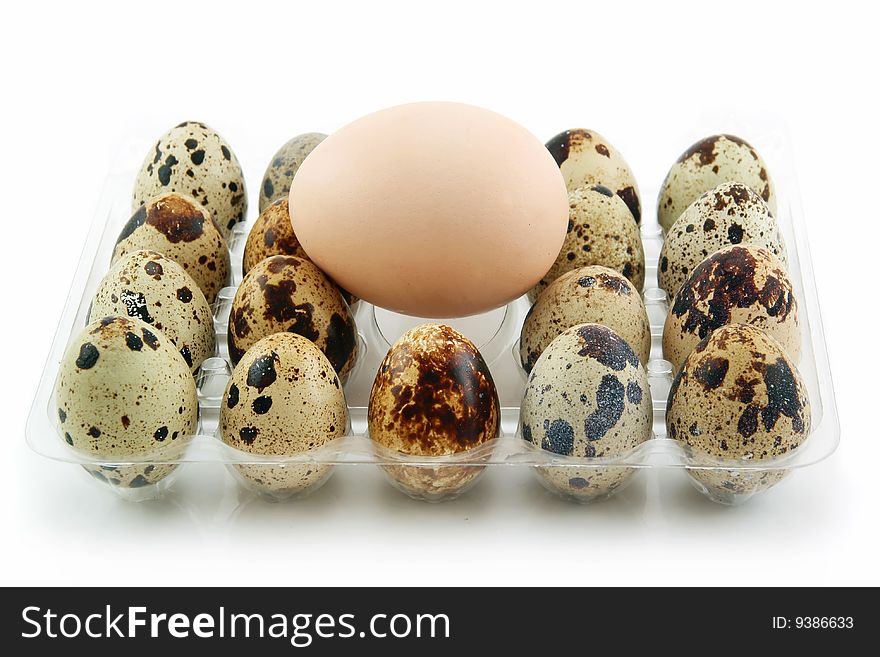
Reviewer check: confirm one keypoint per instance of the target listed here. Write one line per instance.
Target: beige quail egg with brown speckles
(587, 398)
(737, 398)
(283, 399)
(736, 285)
(283, 167)
(290, 294)
(586, 158)
(589, 295)
(273, 234)
(155, 289)
(125, 394)
(433, 396)
(705, 165)
(179, 228)
(600, 232)
(731, 213)
(194, 160)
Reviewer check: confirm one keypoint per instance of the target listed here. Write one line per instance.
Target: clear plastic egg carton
(496, 333)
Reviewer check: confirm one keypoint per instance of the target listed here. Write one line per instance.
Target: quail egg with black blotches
(731, 213)
(124, 393)
(283, 399)
(179, 228)
(195, 160)
(586, 159)
(708, 163)
(283, 166)
(587, 398)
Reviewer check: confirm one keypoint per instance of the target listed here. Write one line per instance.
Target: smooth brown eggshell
(423, 208)
(433, 396)
(736, 285)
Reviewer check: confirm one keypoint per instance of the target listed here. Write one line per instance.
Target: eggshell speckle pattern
(290, 294)
(193, 159)
(587, 397)
(735, 285)
(589, 295)
(179, 228)
(433, 396)
(600, 232)
(283, 398)
(156, 290)
(125, 393)
(729, 214)
(586, 159)
(272, 234)
(738, 397)
(704, 166)
(281, 170)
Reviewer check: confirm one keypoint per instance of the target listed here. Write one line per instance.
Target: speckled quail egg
(737, 397)
(587, 397)
(707, 164)
(728, 214)
(589, 295)
(283, 398)
(433, 396)
(586, 158)
(124, 393)
(272, 234)
(179, 228)
(155, 289)
(286, 293)
(281, 170)
(600, 232)
(735, 285)
(193, 159)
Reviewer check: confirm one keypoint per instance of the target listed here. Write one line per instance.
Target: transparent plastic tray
(496, 333)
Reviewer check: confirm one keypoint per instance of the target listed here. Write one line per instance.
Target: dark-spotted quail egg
(736, 285)
(155, 289)
(600, 232)
(283, 398)
(286, 293)
(281, 170)
(272, 234)
(433, 396)
(195, 160)
(586, 158)
(179, 228)
(707, 164)
(124, 393)
(588, 398)
(731, 213)
(589, 295)
(737, 397)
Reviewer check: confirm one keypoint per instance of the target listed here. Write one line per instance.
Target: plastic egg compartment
(496, 333)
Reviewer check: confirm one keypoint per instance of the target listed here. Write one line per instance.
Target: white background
(76, 79)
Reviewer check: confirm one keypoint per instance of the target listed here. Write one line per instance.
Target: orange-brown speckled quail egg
(586, 158)
(731, 213)
(283, 399)
(178, 227)
(587, 398)
(600, 232)
(195, 160)
(707, 164)
(283, 167)
(155, 289)
(124, 393)
(290, 294)
(589, 295)
(736, 285)
(433, 396)
(737, 397)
